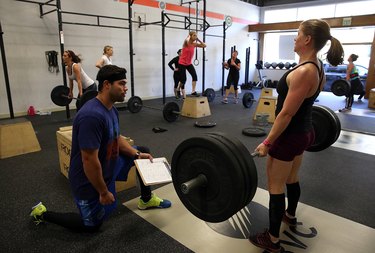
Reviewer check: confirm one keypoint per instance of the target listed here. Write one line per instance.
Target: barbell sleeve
(199, 181)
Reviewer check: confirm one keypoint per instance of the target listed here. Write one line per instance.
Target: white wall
(27, 37)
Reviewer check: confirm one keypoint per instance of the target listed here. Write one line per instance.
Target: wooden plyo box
(371, 99)
(266, 92)
(64, 145)
(266, 105)
(195, 107)
(17, 137)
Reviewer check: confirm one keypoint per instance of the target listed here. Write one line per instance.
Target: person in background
(99, 157)
(76, 73)
(234, 66)
(186, 59)
(356, 86)
(176, 73)
(292, 132)
(106, 58)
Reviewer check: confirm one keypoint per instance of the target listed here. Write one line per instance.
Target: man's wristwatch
(137, 154)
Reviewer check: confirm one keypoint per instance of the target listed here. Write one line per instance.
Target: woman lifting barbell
(356, 86)
(76, 73)
(292, 131)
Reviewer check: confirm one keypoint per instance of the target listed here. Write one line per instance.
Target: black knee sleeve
(276, 212)
(293, 193)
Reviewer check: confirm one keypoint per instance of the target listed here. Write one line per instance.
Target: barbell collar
(199, 181)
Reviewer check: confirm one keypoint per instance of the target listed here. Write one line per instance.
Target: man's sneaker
(37, 212)
(195, 94)
(236, 100)
(263, 240)
(154, 202)
(224, 101)
(292, 222)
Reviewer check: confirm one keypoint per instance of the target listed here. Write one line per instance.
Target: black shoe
(195, 94)
(263, 240)
(292, 222)
(158, 130)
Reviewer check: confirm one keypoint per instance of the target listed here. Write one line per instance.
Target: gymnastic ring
(196, 62)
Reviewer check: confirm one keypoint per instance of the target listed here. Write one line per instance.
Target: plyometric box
(64, 145)
(266, 105)
(266, 92)
(17, 137)
(195, 107)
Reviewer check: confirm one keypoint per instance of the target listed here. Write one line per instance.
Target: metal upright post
(6, 77)
(131, 52)
(61, 39)
(163, 52)
(204, 50)
(222, 74)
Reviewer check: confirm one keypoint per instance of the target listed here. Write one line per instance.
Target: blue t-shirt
(94, 127)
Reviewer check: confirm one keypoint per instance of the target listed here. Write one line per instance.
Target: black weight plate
(204, 155)
(88, 95)
(59, 95)
(340, 87)
(337, 123)
(254, 131)
(239, 168)
(327, 128)
(250, 168)
(204, 124)
(248, 99)
(247, 165)
(134, 104)
(171, 111)
(210, 94)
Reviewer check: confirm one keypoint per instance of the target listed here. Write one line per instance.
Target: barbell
(60, 96)
(248, 99)
(210, 94)
(215, 176)
(171, 110)
(342, 87)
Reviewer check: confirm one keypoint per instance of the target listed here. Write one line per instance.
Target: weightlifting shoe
(37, 212)
(263, 240)
(154, 202)
(292, 222)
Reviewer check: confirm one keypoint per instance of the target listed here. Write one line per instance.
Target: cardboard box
(64, 145)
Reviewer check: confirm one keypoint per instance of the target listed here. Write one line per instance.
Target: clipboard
(156, 172)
